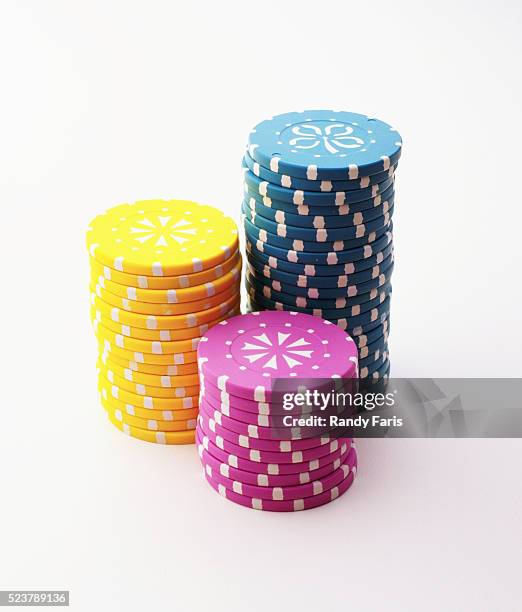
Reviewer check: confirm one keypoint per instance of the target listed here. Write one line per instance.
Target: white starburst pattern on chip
(270, 347)
(162, 229)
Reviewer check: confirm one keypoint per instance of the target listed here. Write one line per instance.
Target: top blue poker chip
(325, 145)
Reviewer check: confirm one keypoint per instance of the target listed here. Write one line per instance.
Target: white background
(106, 102)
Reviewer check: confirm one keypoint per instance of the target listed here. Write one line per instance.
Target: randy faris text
(337, 421)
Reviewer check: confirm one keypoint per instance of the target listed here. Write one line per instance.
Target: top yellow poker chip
(162, 238)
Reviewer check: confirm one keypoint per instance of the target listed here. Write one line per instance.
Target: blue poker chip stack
(317, 210)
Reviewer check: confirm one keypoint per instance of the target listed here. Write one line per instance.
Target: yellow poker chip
(185, 321)
(166, 282)
(187, 369)
(163, 335)
(154, 380)
(162, 238)
(183, 414)
(157, 437)
(156, 347)
(171, 296)
(167, 359)
(149, 424)
(148, 390)
(164, 309)
(147, 401)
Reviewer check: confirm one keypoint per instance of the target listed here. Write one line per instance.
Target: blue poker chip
(376, 345)
(318, 258)
(366, 371)
(378, 384)
(321, 235)
(257, 298)
(372, 334)
(258, 234)
(325, 282)
(313, 293)
(325, 145)
(260, 303)
(344, 303)
(376, 327)
(378, 356)
(284, 180)
(380, 364)
(376, 371)
(353, 329)
(297, 269)
(320, 211)
(312, 198)
(340, 305)
(374, 316)
(321, 221)
(324, 298)
(363, 330)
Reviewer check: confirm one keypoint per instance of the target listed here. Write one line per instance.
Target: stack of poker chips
(162, 274)
(250, 454)
(317, 210)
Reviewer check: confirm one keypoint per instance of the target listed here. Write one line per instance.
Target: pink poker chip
(245, 354)
(264, 456)
(275, 424)
(249, 429)
(265, 408)
(271, 480)
(294, 505)
(302, 491)
(268, 468)
(262, 420)
(214, 422)
(241, 403)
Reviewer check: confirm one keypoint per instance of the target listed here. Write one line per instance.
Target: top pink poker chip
(246, 354)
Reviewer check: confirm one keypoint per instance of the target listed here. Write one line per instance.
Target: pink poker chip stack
(249, 453)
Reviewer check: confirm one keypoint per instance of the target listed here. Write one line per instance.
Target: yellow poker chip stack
(162, 273)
